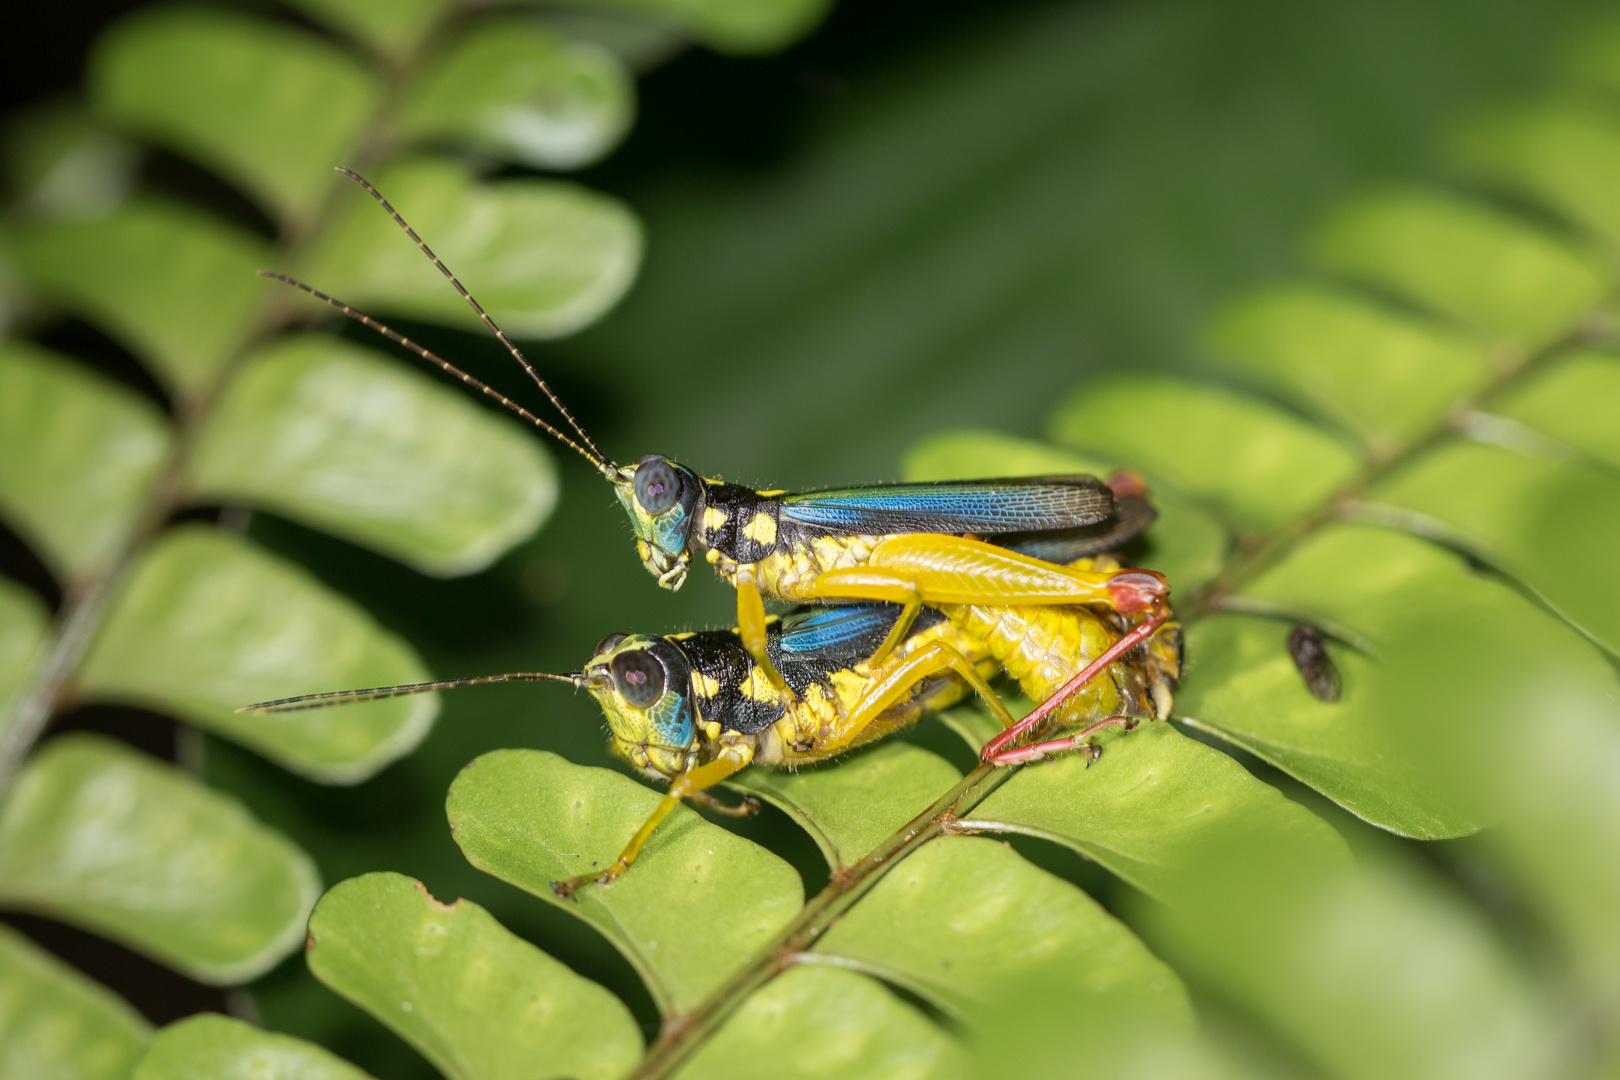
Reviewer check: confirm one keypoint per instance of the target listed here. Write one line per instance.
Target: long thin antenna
(603, 465)
(346, 697)
(517, 354)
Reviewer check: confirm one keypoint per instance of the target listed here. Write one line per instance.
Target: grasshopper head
(661, 498)
(644, 685)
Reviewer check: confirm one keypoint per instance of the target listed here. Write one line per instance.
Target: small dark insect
(1309, 649)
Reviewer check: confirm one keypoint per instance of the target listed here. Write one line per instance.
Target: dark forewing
(1017, 504)
(1133, 514)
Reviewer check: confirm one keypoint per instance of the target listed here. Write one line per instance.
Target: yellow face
(661, 499)
(644, 686)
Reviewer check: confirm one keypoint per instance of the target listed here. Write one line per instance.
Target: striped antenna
(377, 693)
(602, 464)
(517, 354)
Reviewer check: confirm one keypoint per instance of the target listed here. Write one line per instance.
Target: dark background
(926, 215)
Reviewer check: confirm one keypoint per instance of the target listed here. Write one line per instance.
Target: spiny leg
(1119, 648)
(706, 799)
(751, 627)
(732, 760)
(898, 679)
(1019, 755)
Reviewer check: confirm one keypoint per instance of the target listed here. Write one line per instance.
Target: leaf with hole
(696, 904)
(344, 439)
(477, 1000)
(96, 834)
(544, 257)
(54, 1022)
(207, 622)
(213, 1047)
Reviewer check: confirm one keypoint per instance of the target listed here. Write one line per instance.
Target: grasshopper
(693, 709)
(999, 541)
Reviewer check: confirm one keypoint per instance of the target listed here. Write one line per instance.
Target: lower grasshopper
(694, 709)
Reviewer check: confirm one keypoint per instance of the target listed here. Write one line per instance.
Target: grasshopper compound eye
(608, 644)
(638, 677)
(658, 485)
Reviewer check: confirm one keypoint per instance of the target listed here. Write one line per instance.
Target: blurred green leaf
(175, 285)
(698, 902)
(1186, 543)
(1565, 154)
(477, 1001)
(965, 922)
(1570, 401)
(1152, 798)
(269, 107)
(545, 258)
(848, 808)
(392, 27)
(1257, 464)
(57, 1024)
(1374, 972)
(1549, 523)
(24, 623)
(95, 834)
(514, 89)
(815, 1022)
(62, 163)
(206, 622)
(1490, 272)
(735, 26)
(213, 1047)
(1383, 377)
(346, 440)
(77, 455)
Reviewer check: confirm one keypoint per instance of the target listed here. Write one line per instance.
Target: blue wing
(1018, 504)
(838, 630)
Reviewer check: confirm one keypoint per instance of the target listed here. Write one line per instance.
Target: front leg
(751, 627)
(732, 759)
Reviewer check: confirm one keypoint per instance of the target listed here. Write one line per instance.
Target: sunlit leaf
(1490, 272)
(477, 1000)
(814, 1022)
(515, 90)
(349, 441)
(56, 1023)
(1384, 377)
(1255, 463)
(696, 904)
(207, 622)
(1373, 582)
(177, 286)
(77, 455)
(268, 106)
(62, 163)
(545, 258)
(1549, 523)
(209, 1046)
(850, 806)
(95, 834)
(1571, 402)
(1565, 154)
(1185, 543)
(965, 922)
(24, 622)
(1153, 797)
(737, 26)
(393, 27)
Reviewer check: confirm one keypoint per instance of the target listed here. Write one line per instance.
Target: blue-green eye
(658, 485)
(638, 677)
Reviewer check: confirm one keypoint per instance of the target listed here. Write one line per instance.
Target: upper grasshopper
(954, 542)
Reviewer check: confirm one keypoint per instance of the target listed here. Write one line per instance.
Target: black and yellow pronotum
(693, 709)
(999, 541)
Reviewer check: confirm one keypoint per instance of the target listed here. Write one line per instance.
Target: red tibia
(1021, 754)
(1139, 634)
(1125, 482)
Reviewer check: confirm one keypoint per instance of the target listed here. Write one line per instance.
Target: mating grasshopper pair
(935, 586)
